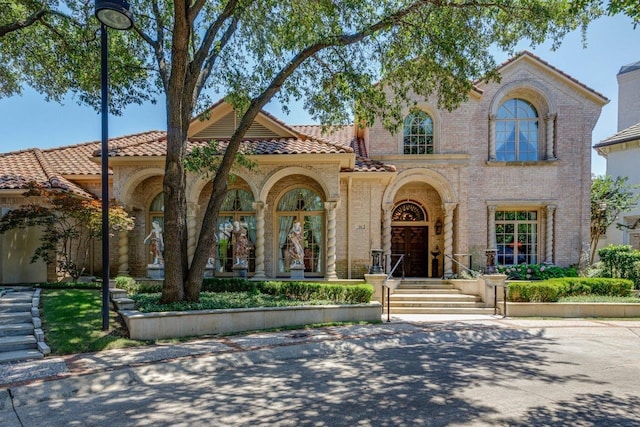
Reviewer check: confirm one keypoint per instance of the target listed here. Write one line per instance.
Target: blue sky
(28, 121)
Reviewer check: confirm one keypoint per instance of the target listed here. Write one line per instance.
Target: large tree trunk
(174, 184)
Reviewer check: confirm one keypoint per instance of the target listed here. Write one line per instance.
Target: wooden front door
(412, 242)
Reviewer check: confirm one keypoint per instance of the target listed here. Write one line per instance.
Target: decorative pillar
(491, 236)
(123, 253)
(191, 230)
(330, 207)
(551, 209)
(387, 211)
(259, 207)
(448, 209)
(551, 121)
(492, 137)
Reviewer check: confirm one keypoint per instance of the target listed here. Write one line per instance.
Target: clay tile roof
(158, 146)
(367, 165)
(77, 159)
(18, 169)
(632, 133)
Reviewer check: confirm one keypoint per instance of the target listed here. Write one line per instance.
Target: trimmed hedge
(535, 271)
(301, 291)
(553, 289)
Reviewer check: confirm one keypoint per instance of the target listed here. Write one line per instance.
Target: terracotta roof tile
(19, 168)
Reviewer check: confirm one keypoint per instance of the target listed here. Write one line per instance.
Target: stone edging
(172, 324)
(571, 309)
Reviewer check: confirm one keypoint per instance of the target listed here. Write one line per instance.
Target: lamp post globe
(114, 14)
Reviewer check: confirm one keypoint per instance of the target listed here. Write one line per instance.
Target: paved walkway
(475, 370)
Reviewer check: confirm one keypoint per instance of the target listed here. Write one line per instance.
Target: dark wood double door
(412, 242)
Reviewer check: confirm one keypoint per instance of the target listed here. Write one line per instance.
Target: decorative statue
(156, 243)
(296, 244)
(240, 243)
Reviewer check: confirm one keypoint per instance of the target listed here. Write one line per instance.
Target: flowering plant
(535, 271)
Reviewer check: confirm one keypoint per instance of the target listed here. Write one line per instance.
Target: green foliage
(621, 261)
(70, 224)
(609, 198)
(554, 289)
(535, 271)
(54, 47)
(70, 285)
(72, 323)
(205, 159)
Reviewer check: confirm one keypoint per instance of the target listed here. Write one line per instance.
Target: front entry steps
(21, 336)
(433, 296)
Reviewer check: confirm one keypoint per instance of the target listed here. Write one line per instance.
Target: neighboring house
(622, 152)
(508, 169)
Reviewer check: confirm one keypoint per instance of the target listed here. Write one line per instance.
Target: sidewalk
(59, 367)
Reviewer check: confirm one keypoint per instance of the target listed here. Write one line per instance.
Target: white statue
(296, 244)
(156, 243)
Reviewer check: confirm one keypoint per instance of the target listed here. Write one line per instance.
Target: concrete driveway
(411, 372)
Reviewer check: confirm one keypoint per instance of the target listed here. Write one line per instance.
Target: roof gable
(529, 58)
(220, 121)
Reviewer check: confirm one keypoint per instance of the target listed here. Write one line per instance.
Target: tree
(609, 198)
(347, 60)
(70, 224)
(54, 47)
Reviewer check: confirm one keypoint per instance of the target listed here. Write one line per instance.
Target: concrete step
(430, 304)
(12, 318)
(12, 307)
(20, 355)
(15, 343)
(450, 291)
(16, 329)
(440, 310)
(433, 297)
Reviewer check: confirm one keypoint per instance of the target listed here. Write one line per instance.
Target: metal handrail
(384, 285)
(473, 273)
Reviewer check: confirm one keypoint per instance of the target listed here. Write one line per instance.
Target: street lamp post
(113, 14)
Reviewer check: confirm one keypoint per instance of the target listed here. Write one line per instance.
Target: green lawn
(72, 323)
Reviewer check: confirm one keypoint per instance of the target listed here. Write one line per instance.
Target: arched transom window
(517, 133)
(418, 133)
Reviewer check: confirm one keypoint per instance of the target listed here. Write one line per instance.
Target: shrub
(554, 289)
(536, 271)
(535, 291)
(228, 284)
(621, 261)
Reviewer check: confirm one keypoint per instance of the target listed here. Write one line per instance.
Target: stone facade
(438, 210)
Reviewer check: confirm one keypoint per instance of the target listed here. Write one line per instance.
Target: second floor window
(418, 133)
(517, 132)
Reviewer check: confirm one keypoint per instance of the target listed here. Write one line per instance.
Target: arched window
(418, 133)
(517, 136)
(237, 206)
(307, 207)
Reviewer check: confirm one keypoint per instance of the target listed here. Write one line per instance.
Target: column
(551, 120)
(492, 137)
(491, 236)
(448, 209)
(191, 230)
(387, 211)
(123, 253)
(259, 207)
(330, 208)
(551, 209)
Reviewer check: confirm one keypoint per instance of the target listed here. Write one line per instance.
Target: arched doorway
(410, 238)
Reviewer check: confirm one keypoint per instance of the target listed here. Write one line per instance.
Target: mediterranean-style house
(508, 169)
(622, 152)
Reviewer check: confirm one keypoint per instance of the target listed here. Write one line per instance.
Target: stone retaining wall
(149, 326)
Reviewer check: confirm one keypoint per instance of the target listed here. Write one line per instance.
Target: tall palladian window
(237, 206)
(307, 207)
(517, 135)
(418, 133)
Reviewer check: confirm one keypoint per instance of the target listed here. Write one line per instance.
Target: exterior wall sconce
(438, 227)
